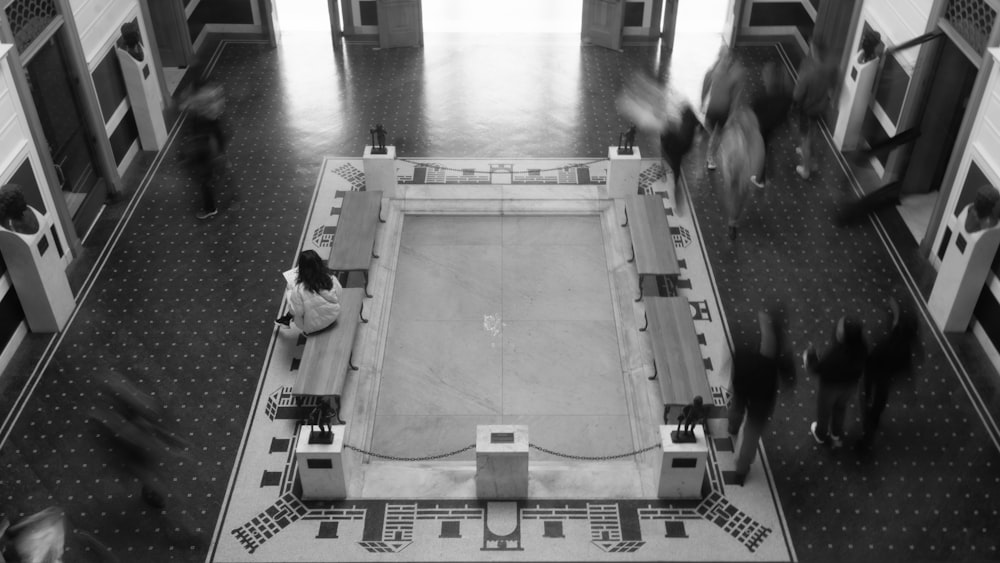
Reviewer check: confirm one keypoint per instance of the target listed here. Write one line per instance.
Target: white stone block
(501, 461)
(321, 465)
(380, 170)
(623, 172)
(681, 468)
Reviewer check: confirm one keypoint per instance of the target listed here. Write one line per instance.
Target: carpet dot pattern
(929, 486)
(183, 308)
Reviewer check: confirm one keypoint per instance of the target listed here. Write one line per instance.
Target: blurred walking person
(665, 112)
(771, 105)
(891, 359)
(754, 390)
(135, 426)
(721, 90)
(812, 96)
(839, 370)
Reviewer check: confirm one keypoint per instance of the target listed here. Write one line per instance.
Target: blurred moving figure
(39, 538)
(663, 111)
(754, 390)
(741, 152)
(205, 103)
(721, 90)
(137, 435)
(771, 105)
(817, 76)
(839, 370)
(890, 360)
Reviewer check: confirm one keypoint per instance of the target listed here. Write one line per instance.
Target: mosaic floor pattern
(264, 518)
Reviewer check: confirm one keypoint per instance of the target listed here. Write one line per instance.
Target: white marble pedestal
(623, 172)
(321, 465)
(963, 272)
(501, 461)
(681, 467)
(36, 270)
(380, 170)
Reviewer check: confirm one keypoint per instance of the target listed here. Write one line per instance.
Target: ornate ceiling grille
(28, 18)
(973, 19)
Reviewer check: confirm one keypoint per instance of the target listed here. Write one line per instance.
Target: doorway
(503, 16)
(66, 133)
(699, 28)
(947, 99)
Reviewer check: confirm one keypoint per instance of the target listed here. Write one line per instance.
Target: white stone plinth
(623, 172)
(380, 170)
(146, 100)
(501, 465)
(681, 468)
(321, 466)
(855, 94)
(38, 275)
(962, 274)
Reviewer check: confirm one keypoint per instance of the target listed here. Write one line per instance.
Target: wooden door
(66, 134)
(400, 23)
(173, 40)
(603, 23)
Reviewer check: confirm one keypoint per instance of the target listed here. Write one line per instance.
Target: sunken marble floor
(501, 320)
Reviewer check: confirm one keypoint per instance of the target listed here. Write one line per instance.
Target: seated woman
(314, 299)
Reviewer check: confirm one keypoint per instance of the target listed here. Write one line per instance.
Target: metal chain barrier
(471, 446)
(593, 457)
(400, 458)
(512, 172)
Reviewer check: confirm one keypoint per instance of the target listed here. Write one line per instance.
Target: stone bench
(677, 361)
(354, 241)
(652, 243)
(327, 355)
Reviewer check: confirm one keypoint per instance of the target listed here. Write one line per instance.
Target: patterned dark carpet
(183, 308)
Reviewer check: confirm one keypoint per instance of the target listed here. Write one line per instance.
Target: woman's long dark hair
(313, 273)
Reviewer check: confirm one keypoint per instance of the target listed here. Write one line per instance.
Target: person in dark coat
(754, 390)
(676, 141)
(771, 106)
(839, 370)
(890, 359)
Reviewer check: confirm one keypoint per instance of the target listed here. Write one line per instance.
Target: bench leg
(645, 316)
(361, 312)
(625, 224)
(350, 361)
(638, 299)
(652, 377)
(632, 259)
(368, 295)
(380, 206)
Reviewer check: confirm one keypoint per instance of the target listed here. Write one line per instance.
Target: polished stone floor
(501, 320)
(183, 308)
